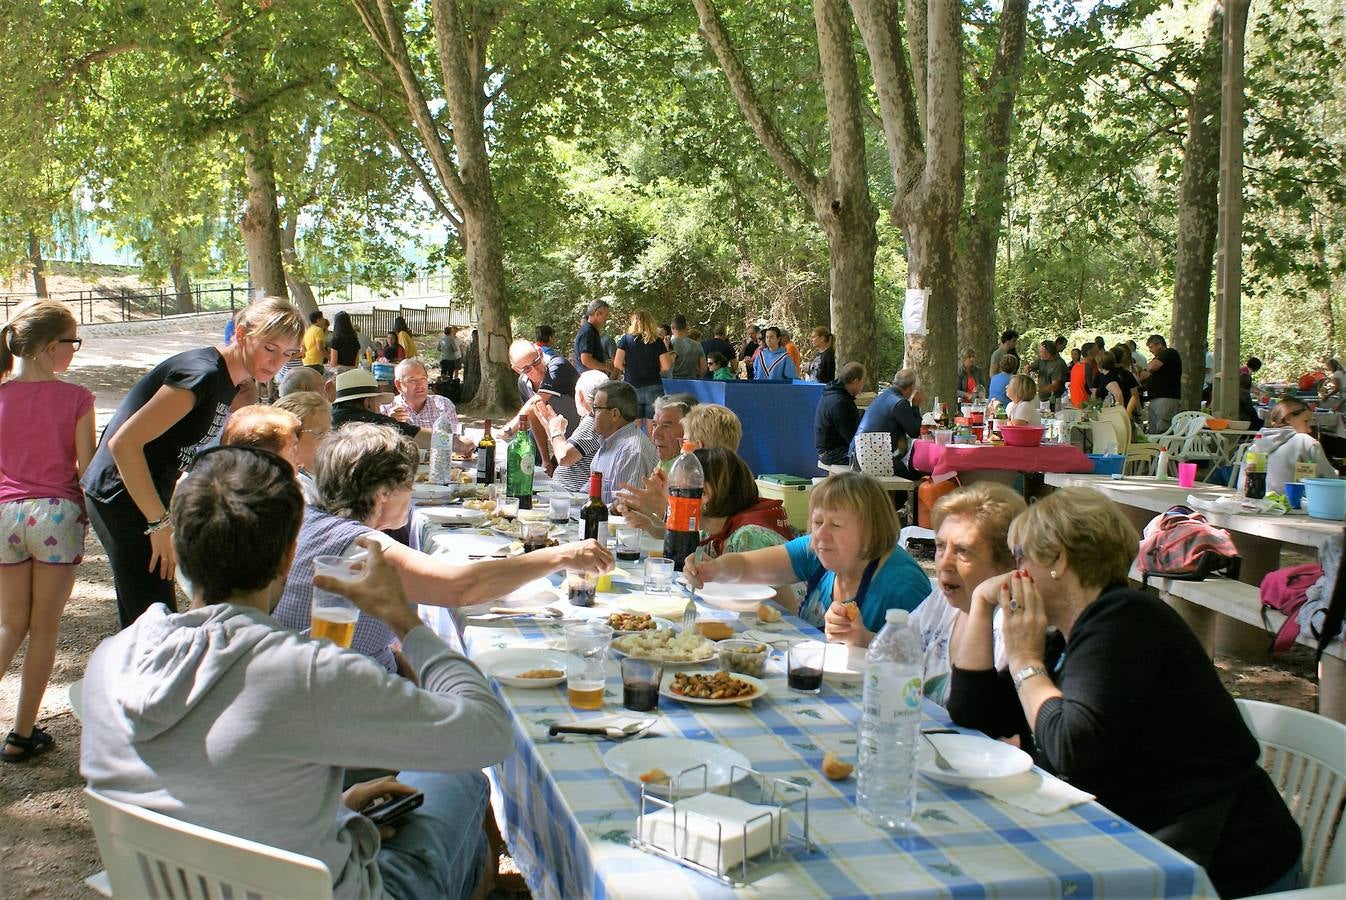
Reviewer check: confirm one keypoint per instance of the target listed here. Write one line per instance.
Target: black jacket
(834, 424)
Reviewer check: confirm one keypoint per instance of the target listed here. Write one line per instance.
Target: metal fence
(377, 322)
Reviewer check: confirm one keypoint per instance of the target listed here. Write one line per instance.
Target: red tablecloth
(942, 461)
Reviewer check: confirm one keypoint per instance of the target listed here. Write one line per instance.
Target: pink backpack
(1181, 544)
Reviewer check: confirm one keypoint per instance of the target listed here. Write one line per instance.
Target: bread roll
(714, 631)
(767, 613)
(834, 768)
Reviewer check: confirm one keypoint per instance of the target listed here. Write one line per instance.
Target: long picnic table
(568, 820)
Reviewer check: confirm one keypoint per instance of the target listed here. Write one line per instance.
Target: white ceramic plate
(738, 597)
(844, 662)
(660, 624)
(506, 665)
(974, 758)
(669, 605)
(452, 515)
(538, 592)
(666, 691)
(428, 491)
(632, 759)
(709, 654)
(458, 547)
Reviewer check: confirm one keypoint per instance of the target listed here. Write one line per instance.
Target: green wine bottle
(519, 468)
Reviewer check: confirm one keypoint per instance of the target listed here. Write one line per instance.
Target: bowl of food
(1217, 424)
(743, 657)
(1022, 435)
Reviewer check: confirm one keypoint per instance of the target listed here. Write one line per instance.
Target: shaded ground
(46, 845)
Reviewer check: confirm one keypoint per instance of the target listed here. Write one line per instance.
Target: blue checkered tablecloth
(569, 821)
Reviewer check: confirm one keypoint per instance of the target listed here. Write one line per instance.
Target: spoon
(940, 761)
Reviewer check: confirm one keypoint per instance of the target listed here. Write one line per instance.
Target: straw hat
(356, 384)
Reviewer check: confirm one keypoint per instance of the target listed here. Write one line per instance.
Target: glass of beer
(587, 643)
(333, 616)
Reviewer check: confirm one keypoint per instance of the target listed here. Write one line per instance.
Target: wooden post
(1229, 255)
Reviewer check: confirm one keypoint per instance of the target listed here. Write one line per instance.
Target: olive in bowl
(743, 657)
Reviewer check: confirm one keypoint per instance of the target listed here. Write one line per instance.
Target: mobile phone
(392, 810)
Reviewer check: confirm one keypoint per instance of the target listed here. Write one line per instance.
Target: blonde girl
(181, 404)
(642, 357)
(46, 442)
(1022, 409)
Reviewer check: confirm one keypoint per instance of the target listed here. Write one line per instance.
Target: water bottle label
(911, 694)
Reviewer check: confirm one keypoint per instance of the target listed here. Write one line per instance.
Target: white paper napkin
(1034, 791)
(710, 829)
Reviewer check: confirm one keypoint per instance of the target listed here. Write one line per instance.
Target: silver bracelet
(158, 524)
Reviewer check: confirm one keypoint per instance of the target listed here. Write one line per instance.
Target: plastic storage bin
(793, 492)
(1325, 498)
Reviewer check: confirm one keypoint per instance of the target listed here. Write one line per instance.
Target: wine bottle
(486, 457)
(519, 471)
(594, 514)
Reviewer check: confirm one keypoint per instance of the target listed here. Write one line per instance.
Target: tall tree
(921, 107)
(838, 198)
(1198, 213)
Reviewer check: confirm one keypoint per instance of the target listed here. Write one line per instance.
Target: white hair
(405, 366)
(588, 383)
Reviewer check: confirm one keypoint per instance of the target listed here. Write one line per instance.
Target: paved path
(109, 365)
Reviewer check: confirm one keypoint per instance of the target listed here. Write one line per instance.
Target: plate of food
(431, 491)
(657, 762)
(736, 597)
(452, 515)
(635, 623)
(711, 688)
(524, 667)
(666, 646)
(973, 758)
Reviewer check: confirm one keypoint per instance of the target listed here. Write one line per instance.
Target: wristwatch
(1026, 673)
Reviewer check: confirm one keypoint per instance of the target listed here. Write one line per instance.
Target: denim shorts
(46, 530)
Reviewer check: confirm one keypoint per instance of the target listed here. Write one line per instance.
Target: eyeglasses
(317, 433)
(597, 408)
(76, 341)
(532, 364)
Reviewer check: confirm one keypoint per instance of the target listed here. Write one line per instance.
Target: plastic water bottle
(890, 725)
(441, 450)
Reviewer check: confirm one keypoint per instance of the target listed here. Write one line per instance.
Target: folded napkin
(1236, 505)
(710, 830)
(1034, 791)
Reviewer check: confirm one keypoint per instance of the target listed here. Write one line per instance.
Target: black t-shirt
(559, 385)
(642, 360)
(588, 341)
(204, 373)
(823, 368)
(347, 349)
(343, 413)
(1167, 381)
(718, 345)
(747, 351)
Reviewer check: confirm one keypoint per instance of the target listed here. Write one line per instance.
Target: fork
(689, 613)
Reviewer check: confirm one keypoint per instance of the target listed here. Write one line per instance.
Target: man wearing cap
(357, 400)
(589, 352)
(415, 405)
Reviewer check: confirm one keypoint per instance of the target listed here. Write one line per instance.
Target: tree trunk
(486, 274)
(301, 293)
(182, 284)
(850, 250)
(260, 223)
(1198, 215)
(39, 267)
(981, 230)
(931, 242)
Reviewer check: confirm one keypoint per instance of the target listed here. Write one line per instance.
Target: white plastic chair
(1141, 459)
(1179, 429)
(148, 854)
(1305, 754)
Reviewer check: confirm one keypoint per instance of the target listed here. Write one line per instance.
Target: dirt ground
(46, 845)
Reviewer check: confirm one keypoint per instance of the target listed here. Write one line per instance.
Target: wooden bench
(1200, 602)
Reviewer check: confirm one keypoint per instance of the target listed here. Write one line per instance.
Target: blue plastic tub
(1107, 463)
(1325, 498)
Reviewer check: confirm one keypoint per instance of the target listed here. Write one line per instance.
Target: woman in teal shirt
(849, 560)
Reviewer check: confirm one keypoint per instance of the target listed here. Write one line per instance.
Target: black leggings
(121, 528)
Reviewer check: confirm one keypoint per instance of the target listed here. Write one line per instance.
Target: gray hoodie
(1284, 447)
(222, 717)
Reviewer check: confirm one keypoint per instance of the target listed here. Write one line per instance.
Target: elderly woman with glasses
(1286, 441)
(1122, 700)
(364, 475)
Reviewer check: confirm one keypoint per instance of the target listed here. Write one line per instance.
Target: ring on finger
(1014, 606)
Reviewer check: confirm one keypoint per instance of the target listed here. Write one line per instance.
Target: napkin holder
(705, 844)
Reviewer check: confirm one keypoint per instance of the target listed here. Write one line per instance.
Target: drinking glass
(509, 507)
(587, 644)
(804, 666)
(658, 575)
(333, 617)
(581, 586)
(559, 510)
(628, 542)
(640, 684)
(534, 535)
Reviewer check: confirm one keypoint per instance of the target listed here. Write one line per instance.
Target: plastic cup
(333, 617)
(559, 510)
(509, 507)
(943, 436)
(534, 535)
(587, 643)
(628, 542)
(804, 666)
(640, 684)
(1186, 474)
(1294, 493)
(581, 587)
(658, 575)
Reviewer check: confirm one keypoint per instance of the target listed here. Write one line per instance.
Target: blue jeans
(646, 395)
(438, 849)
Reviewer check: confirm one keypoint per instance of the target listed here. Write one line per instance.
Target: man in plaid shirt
(416, 405)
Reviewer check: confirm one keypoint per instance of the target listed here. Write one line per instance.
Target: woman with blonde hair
(46, 441)
(266, 428)
(1286, 441)
(315, 423)
(641, 358)
(971, 527)
(1022, 408)
(1123, 702)
(853, 570)
(179, 406)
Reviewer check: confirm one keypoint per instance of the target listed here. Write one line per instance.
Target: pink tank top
(37, 439)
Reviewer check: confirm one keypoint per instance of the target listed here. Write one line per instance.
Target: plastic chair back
(1141, 459)
(1305, 754)
(148, 854)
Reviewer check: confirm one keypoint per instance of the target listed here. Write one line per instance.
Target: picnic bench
(1225, 614)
